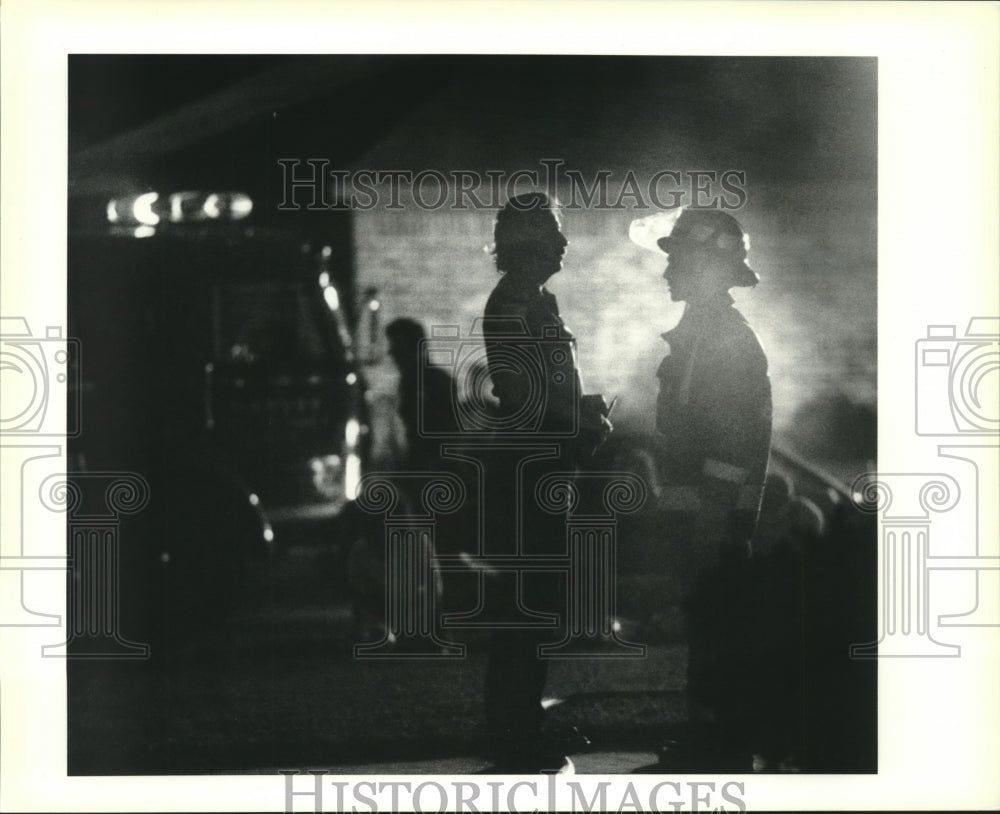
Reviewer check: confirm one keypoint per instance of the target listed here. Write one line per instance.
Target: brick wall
(815, 309)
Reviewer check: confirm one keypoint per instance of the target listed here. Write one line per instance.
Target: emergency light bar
(152, 209)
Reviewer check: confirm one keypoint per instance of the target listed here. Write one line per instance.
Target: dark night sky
(780, 119)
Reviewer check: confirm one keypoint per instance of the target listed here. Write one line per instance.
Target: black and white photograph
(290, 277)
(452, 427)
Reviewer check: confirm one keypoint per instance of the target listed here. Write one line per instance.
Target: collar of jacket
(519, 289)
(696, 313)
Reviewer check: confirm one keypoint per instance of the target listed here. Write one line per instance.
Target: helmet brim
(743, 276)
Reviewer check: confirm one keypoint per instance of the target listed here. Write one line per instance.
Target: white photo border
(939, 210)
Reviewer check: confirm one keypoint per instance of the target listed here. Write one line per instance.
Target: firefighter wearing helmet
(713, 422)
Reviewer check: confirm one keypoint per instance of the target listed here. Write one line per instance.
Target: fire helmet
(714, 231)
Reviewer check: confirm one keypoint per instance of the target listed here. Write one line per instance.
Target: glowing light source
(327, 476)
(352, 476)
(150, 209)
(178, 211)
(268, 533)
(240, 206)
(374, 305)
(351, 432)
(144, 231)
(254, 500)
(142, 209)
(324, 279)
(352, 378)
(332, 300)
(211, 206)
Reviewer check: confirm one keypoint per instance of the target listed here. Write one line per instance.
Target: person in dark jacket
(713, 422)
(427, 394)
(531, 357)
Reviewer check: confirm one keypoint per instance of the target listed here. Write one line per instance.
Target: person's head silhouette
(404, 336)
(527, 239)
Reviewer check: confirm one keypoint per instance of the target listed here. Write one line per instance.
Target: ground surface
(279, 687)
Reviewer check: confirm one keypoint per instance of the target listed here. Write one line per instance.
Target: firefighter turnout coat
(713, 420)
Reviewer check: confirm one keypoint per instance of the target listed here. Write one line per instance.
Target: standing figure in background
(713, 422)
(542, 402)
(425, 404)
(427, 395)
